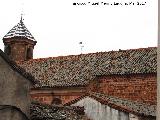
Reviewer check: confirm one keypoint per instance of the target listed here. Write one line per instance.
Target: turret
(19, 43)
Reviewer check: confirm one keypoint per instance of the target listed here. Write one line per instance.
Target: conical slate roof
(19, 30)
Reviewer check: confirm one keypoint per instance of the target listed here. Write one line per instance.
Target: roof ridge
(79, 69)
(79, 55)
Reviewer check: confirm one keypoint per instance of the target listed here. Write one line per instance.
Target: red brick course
(42, 98)
(47, 98)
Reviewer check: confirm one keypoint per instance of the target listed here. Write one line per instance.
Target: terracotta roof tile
(41, 111)
(120, 104)
(77, 70)
(127, 105)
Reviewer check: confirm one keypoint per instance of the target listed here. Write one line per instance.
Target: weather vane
(81, 46)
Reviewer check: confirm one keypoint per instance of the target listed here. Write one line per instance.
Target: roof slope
(41, 111)
(19, 30)
(120, 104)
(17, 68)
(77, 70)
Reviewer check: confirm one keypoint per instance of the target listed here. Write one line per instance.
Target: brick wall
(64, 94)
(42, 98)
(47, 98)
(18, 52)
(66, 99)
(137, 87)
(20, 49)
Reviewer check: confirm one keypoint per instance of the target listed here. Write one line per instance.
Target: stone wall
(136, 87)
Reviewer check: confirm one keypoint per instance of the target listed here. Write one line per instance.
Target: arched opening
(56, 101)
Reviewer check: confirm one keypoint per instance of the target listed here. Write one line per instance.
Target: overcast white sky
(59, 26)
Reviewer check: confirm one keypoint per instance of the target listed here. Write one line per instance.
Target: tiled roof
(41, 111)
(17, 68)
(128, 105)
(19, 30)
(77, 70)
(120, 104)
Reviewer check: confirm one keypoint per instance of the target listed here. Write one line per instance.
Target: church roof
(129, 106)
(19, 30)
(41, 111)
(77, 70)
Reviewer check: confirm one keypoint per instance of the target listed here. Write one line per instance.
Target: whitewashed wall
(97, 111)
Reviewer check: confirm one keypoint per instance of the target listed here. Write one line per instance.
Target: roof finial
(22, 11)
(21, 18)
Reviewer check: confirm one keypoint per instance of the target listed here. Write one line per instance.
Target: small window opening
(56, 101)
(29, 53)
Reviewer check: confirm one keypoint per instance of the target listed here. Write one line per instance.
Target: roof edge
(17, 68)
(79, 55)
(110, 104)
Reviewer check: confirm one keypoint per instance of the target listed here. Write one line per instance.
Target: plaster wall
(94, 110)
(14, 88)
(11, 114)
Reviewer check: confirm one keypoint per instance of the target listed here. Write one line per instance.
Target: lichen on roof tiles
(125, 105)
(132, 106)
(41, 111)
(77, 70)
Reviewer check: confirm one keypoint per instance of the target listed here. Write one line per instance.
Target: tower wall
(19, 49)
